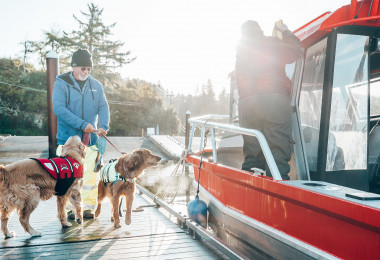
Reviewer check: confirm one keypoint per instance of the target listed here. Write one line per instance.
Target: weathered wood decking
(150, 236)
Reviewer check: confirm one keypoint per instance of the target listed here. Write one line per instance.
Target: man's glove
(280, 26)
(278, 29)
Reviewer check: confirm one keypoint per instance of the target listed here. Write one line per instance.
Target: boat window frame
(355, 110)
(298, 97)
(354, 178)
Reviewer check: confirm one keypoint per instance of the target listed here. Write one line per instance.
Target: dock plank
(150, 236)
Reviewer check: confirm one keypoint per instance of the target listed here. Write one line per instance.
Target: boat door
(339, 107)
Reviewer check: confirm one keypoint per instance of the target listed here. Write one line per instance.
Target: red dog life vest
(62, 169)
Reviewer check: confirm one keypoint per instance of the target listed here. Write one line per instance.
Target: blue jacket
(75, 108)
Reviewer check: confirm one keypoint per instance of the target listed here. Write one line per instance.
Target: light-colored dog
(127, 168)
(24, 183)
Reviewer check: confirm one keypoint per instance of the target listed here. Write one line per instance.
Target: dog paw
(112, 219)
(66, 224)
(10, 234)
(128, 221)
(35, 233)
(117, 226)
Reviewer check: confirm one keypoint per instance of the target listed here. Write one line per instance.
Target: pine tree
(94, 35)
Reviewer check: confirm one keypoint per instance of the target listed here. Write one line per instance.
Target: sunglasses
(85, 68)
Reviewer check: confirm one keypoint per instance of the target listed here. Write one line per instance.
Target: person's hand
(89, 128)
(101, 131)
(279, 25)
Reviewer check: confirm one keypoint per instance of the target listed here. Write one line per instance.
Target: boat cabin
(335, 99)
(325, 211)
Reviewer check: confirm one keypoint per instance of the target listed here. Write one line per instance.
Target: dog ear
(133, 162)
(82, 149)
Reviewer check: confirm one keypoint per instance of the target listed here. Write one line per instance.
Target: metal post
(202, 136)
(51, 72)
(187, 129)
(214, 154)
(187, 139)
(191, 137)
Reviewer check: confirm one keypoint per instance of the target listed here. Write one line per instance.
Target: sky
(180, 44)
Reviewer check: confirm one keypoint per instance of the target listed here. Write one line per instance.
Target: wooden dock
(151, 235)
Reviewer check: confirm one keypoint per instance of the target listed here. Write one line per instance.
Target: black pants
(271, 115)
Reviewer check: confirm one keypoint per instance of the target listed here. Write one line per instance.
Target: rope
(201, 162)
(183, 162)
(23, 87)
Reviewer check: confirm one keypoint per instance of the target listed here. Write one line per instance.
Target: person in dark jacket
(264, 93)
(81, 106)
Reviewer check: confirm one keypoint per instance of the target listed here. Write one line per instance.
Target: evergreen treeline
(134, 104)
(203, 101)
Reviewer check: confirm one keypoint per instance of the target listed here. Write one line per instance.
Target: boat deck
(152, 235)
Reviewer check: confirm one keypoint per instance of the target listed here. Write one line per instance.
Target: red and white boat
(331, 206)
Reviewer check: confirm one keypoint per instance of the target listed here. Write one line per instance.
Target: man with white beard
(79, 103)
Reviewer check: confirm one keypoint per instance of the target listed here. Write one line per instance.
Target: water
(170, 186)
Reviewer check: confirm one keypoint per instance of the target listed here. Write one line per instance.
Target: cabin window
(347, 142)
(289, 70)
(311, 99)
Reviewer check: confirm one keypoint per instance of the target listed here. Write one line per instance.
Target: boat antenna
(370, 8)
(357, 15)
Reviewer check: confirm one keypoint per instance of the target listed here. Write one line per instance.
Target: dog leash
(86, 139)
(96, 131)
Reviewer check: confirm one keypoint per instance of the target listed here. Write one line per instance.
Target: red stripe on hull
(342, 228)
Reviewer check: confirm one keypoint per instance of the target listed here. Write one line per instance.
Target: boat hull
(317, 215)
(255, 239)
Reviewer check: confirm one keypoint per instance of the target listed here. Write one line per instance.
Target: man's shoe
(71, 215)
(88, 214)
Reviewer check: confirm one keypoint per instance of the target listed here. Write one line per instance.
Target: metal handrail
(203, 122)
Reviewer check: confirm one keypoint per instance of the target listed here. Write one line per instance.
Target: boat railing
(208, 122)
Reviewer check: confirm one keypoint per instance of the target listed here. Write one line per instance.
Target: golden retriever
(128, 167)
(24, 183)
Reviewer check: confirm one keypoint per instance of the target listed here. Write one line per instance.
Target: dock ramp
(170, 146)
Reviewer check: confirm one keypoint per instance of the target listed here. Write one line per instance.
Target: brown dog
(127, 169)
(24, 183)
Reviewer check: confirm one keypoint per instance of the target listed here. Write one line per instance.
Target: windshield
(347, 142)
(310, 103)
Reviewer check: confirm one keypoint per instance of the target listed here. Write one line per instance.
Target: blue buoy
(197, 211)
